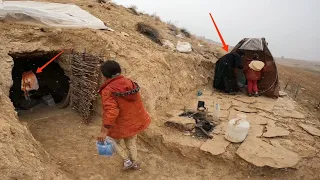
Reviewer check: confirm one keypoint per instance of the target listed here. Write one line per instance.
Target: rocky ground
(283, 143)
(282, 134)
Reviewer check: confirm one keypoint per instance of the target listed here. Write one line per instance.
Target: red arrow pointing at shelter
(225, 46)
(39, 70)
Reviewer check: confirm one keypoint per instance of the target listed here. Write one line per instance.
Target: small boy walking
(124, 115)
(253, 75)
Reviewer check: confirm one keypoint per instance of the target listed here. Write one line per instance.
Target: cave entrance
(53, 84)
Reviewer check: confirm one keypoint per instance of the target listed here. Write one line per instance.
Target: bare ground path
(72, 144)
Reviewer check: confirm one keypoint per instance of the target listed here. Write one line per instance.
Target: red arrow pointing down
(39, 70)
(225, 46)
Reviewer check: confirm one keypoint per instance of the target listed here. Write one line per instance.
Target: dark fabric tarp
(269, 84)
(225, 77)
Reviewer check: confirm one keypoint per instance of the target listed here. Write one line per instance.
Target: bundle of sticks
(84, 82)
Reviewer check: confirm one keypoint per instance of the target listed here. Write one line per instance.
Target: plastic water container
(49, 100)
(105, 148)
(237, 129)
(216, 108)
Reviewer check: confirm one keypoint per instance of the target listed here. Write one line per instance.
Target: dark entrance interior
(52, 81)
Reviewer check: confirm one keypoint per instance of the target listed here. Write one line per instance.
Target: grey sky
(290, 26)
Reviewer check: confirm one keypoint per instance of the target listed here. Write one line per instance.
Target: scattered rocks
(310, 129)
(289, 114)
(215, 146)
(246, 109)
(124, 34)
(179, 36)
(260, 153)
(168, 44)
(275, 132)
(184, 47)
(282, 93)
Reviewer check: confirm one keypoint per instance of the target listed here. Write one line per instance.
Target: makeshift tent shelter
(50, 14)
(269, 84)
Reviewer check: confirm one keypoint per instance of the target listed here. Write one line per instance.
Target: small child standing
(253, 74)
(124, 115)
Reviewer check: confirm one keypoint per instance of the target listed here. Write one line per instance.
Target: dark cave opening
(52, 81)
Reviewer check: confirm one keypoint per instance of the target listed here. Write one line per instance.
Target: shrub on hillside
(155, 17)
(173, 28)
(186, 32)
(133, 10)
(149, 32)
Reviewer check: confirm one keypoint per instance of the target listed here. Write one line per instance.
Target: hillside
(47, 143)
(302, 64)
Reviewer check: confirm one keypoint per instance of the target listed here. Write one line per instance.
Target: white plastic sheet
(253, 44)
(51, 14)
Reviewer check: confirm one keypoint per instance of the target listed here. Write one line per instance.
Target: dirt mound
(21, 156)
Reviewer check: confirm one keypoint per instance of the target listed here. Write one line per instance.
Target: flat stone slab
(262, 106)
(263, 114)
(225, 105)
(300, 147)
(257, 119)
(255, 131)
(246, 109)
(275, 132)
(215, 146)
(261, 153)
(310, 129)
(239, 103)
(289, 114)
(251, 117)
(181, 123)
(245, 99)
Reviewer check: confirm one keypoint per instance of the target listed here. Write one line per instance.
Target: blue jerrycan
(105, 148)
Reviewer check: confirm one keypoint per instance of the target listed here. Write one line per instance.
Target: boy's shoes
(249, 94)
(136, 166)
(256, 94)
(128, 164)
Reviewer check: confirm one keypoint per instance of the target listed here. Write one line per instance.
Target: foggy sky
(291, 27)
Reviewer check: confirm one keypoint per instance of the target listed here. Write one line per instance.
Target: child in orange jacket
(124, 115)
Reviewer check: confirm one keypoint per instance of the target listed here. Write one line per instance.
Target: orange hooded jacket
(123, 109)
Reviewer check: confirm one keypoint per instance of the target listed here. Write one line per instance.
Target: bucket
(105, 148)
(49, 100)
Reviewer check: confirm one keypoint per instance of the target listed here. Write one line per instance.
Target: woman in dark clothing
(225, 77)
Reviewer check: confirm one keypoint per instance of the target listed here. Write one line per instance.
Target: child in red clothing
(253, 74)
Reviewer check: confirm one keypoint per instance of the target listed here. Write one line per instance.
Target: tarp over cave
(269, 84)
(50, 14)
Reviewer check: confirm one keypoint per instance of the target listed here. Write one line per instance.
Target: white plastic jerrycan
(237, 129)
